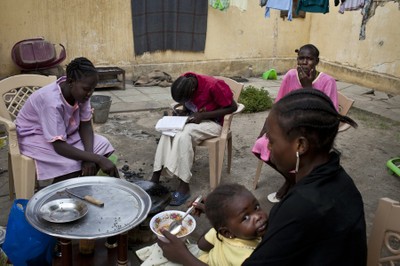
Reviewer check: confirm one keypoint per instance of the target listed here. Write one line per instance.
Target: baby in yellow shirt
(238, 225)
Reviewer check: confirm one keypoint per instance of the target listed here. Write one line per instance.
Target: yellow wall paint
(102, 31)
(337, 37)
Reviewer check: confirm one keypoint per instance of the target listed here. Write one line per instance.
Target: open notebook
(170, 125)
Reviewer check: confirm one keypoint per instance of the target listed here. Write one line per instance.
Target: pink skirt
(260, 148)
(50, 164)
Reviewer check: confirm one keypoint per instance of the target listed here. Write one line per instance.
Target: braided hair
(182, 88)
(79, 68)
(216, 205)
(310, 47)
(310, 113)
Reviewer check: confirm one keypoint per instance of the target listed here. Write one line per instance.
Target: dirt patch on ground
(365, 152)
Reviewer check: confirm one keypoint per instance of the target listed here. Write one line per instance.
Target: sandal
(178, 198)
(272, 198)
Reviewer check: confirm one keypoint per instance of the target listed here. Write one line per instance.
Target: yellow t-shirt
(228, 252)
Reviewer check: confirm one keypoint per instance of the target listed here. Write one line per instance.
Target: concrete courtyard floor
(365, 150)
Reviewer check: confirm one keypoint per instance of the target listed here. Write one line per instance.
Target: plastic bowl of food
(163, 219)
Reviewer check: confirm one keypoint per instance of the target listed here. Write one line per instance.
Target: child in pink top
(54, 127)
(305, 76)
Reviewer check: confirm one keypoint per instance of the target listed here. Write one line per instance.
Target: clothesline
(367, 7)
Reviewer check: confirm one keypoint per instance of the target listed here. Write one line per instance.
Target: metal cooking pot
(160, 196)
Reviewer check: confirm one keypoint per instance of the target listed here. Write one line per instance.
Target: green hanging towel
(219, 4)
(314, 6)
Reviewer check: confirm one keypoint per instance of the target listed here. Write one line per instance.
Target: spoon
(176, 226)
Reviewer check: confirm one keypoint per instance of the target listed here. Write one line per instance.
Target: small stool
(109, 77)
(394, 166)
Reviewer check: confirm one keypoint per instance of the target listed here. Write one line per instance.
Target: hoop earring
(297, 162)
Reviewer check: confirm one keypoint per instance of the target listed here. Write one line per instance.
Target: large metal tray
(125, 206)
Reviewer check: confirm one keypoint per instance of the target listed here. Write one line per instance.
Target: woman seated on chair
(321, 219)
(206, 100)
(54, 127)
(305, 76)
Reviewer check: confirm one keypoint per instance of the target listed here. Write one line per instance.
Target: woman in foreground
(321, 219)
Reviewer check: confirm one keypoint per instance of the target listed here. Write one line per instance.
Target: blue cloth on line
(280, 5)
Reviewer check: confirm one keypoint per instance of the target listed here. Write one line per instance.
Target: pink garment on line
(291, 82)
(46, 117)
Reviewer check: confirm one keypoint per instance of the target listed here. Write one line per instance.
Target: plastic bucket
(101, 108)
(270, 74)
(3, 141)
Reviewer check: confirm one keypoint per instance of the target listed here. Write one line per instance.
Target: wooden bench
(111, 77)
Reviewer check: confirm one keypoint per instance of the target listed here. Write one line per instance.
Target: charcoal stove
(160, 198)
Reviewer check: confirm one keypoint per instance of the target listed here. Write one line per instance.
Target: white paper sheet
(170, 125)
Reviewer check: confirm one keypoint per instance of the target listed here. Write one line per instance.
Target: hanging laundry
(241, 4)
(314, 6)
(263, 3)
(351, 5)
(219, 4)
(368, 11)
(337, 2)
(280, 5)
(175, 25)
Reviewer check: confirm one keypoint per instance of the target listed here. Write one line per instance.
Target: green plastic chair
(394, 166)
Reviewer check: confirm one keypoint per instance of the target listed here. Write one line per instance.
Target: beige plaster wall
(235, 40)
(102, 31)
(373, 62)
(98, 29)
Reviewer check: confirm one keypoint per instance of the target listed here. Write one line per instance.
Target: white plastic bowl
(165, 218)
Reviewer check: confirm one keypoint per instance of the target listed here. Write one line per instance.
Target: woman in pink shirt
(304, 76)
(54, 127)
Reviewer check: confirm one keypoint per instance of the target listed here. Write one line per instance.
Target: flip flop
(178, 198)
(272, 198)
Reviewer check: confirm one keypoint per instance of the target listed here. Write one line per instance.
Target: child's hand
(173, 249)
(88, 169)
(108, 167)
(306, 79)
(179, 110)
(199, 207)
(196, 118)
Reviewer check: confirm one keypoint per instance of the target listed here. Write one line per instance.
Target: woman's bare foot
(183, 188)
